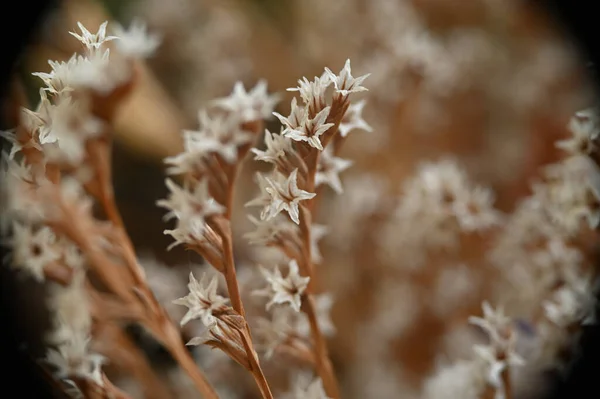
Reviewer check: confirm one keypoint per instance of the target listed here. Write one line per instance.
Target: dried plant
(439, 234)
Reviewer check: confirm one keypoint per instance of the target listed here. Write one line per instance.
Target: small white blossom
(277, 146)
(73, 359)
(135, 41)
(16, 145)
(274, 331)
(296, 117)
(329, 168)
(474, 209)
(494, 323)
(313, 93)
(284, 290)
(283, 194)
(93, 41)
(345, 83)
(190, 208)
(494, 366)
(220, 134)
(270, 231)
(202, 300)
(310, 129)
(585, 132)
(353, 119)
(249, 106)
(184, 203)
(32, 249)
(60, 78)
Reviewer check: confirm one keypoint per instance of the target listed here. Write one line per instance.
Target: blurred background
(489, 83)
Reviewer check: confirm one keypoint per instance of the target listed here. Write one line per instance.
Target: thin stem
(257, 372)
(323, 364)
(229, 267)
(173, 343)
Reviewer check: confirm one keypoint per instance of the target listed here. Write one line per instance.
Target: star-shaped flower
(93, 41)
(285, 195)
(202, 300)
(328, 170)
(253, 105)
(309, 130)
(345, 83)
(284, 290)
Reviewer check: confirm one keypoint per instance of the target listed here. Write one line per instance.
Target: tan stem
(172, 341)
(257, 372)
(323, 364)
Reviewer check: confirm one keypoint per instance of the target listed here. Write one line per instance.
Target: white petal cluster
(277, 145)
(250, 106)
(190, 207)
(135, 42)
(202, 300)
(345, 83)
(32, 249)
(438, 204)
(279, 193)
(328, 170)
(299, 126)
(71, 355)
(585, 130)
(284, 290)
(353, 119)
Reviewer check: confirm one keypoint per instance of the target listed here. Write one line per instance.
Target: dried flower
(202, 300)
(284, 290)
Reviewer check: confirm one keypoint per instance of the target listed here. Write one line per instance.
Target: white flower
(40, 120)
(494, 366)
(284, 195)
(572, 303)
(296, 117)
(273, 332)
(353, 119)
(585, 130)
(184, 203)
(219, 134)
(249, 106)
(313, 93)
(474, 209)
(60, 78)
(16, 145)
(71, 309)
(71, 358)
(33, 249)
(270, 231)
(190, 208)
(344, 82)
(284, 290)
(264, 199)
(277, 146)
(329, 168)
(202, 300)
(310, 129)
(135, 42)
(93, 41)
(494, 323)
